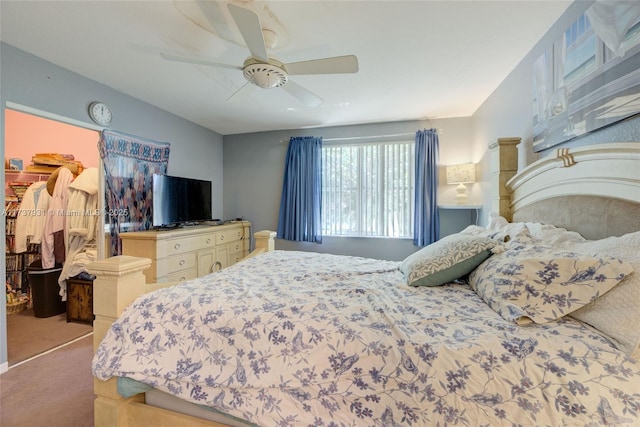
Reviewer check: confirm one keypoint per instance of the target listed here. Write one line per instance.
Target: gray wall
(254, 170)
(30, 81)
(509, 110)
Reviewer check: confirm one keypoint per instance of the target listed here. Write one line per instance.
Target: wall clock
(100, 113)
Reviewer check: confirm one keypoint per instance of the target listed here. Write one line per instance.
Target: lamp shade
(461, 174)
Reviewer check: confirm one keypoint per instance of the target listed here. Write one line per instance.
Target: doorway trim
(52, 116)
(86, 125)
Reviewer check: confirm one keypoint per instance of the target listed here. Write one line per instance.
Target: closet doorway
(26, 135)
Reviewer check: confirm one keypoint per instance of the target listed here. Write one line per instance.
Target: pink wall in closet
(26, 135)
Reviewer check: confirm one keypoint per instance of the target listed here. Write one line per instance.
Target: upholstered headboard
(594, 190)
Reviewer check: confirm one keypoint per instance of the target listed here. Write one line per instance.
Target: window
(368, 189)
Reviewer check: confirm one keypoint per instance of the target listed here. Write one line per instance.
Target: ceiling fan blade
(249, 25)
(306, 97)
(198, 61)
(241, 93)
(335, 65)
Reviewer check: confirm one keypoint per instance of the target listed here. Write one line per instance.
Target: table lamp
(461, 175)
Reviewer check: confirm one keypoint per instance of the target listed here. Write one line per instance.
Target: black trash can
(45, 290)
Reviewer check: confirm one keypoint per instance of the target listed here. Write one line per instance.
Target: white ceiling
(417, 59)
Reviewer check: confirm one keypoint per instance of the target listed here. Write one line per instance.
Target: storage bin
(45, 290)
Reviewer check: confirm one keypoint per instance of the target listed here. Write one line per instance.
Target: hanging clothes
(31, 216)
(53, 247)
(80, 228)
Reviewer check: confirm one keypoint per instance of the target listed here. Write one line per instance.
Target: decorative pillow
(617, 313)
(532, 282)
(449, 258)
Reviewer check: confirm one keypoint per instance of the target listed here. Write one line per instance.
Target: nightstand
(455, 218)
(80, 301)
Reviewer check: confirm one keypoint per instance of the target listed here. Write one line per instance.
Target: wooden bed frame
(119, 281)
(606, 179)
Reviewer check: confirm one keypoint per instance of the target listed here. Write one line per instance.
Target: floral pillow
(532, 282)
(449, 258)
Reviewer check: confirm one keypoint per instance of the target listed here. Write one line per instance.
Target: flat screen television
(179, 200)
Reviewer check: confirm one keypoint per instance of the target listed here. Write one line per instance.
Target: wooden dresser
(186, 253)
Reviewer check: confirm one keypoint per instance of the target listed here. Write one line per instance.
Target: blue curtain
(300, 205)
(129, 164)
(426, 227)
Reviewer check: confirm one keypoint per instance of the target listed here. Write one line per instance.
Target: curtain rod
(354, 138)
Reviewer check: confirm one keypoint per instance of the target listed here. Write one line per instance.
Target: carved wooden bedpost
(119, 280)
(265, 240)
(504, 165)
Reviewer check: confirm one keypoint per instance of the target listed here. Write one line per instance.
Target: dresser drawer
(182, 275)
(206, 241)
(181, 262)
(228, 236)
(236, 247)
(182, 245)
(233, 258)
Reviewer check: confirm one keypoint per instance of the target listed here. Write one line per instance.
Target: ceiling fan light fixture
(266, 72)
(265, 75)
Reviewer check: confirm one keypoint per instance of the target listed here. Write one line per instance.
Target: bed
(446, 337)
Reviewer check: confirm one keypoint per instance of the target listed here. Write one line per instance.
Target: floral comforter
(297, 339)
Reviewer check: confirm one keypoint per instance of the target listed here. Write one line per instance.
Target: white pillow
(500, 224)
(548, 234)
(616, 313)
(476, 230)
(552, 235)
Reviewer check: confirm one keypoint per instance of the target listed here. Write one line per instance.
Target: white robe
(81, 224)
(31, 216)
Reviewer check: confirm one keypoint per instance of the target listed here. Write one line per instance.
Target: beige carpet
(28, 335)
(53, 390)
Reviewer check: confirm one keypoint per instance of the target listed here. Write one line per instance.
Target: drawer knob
(216, 266)
(176, 246)
(208, 241)
(221, 237)
(182, 262)
(182, 279)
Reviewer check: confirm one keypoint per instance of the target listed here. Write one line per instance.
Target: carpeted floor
(28, 335)
(53, 390)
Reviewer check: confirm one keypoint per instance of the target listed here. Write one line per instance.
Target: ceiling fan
(265, 72)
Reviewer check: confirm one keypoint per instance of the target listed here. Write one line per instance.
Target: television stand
(184, 253)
